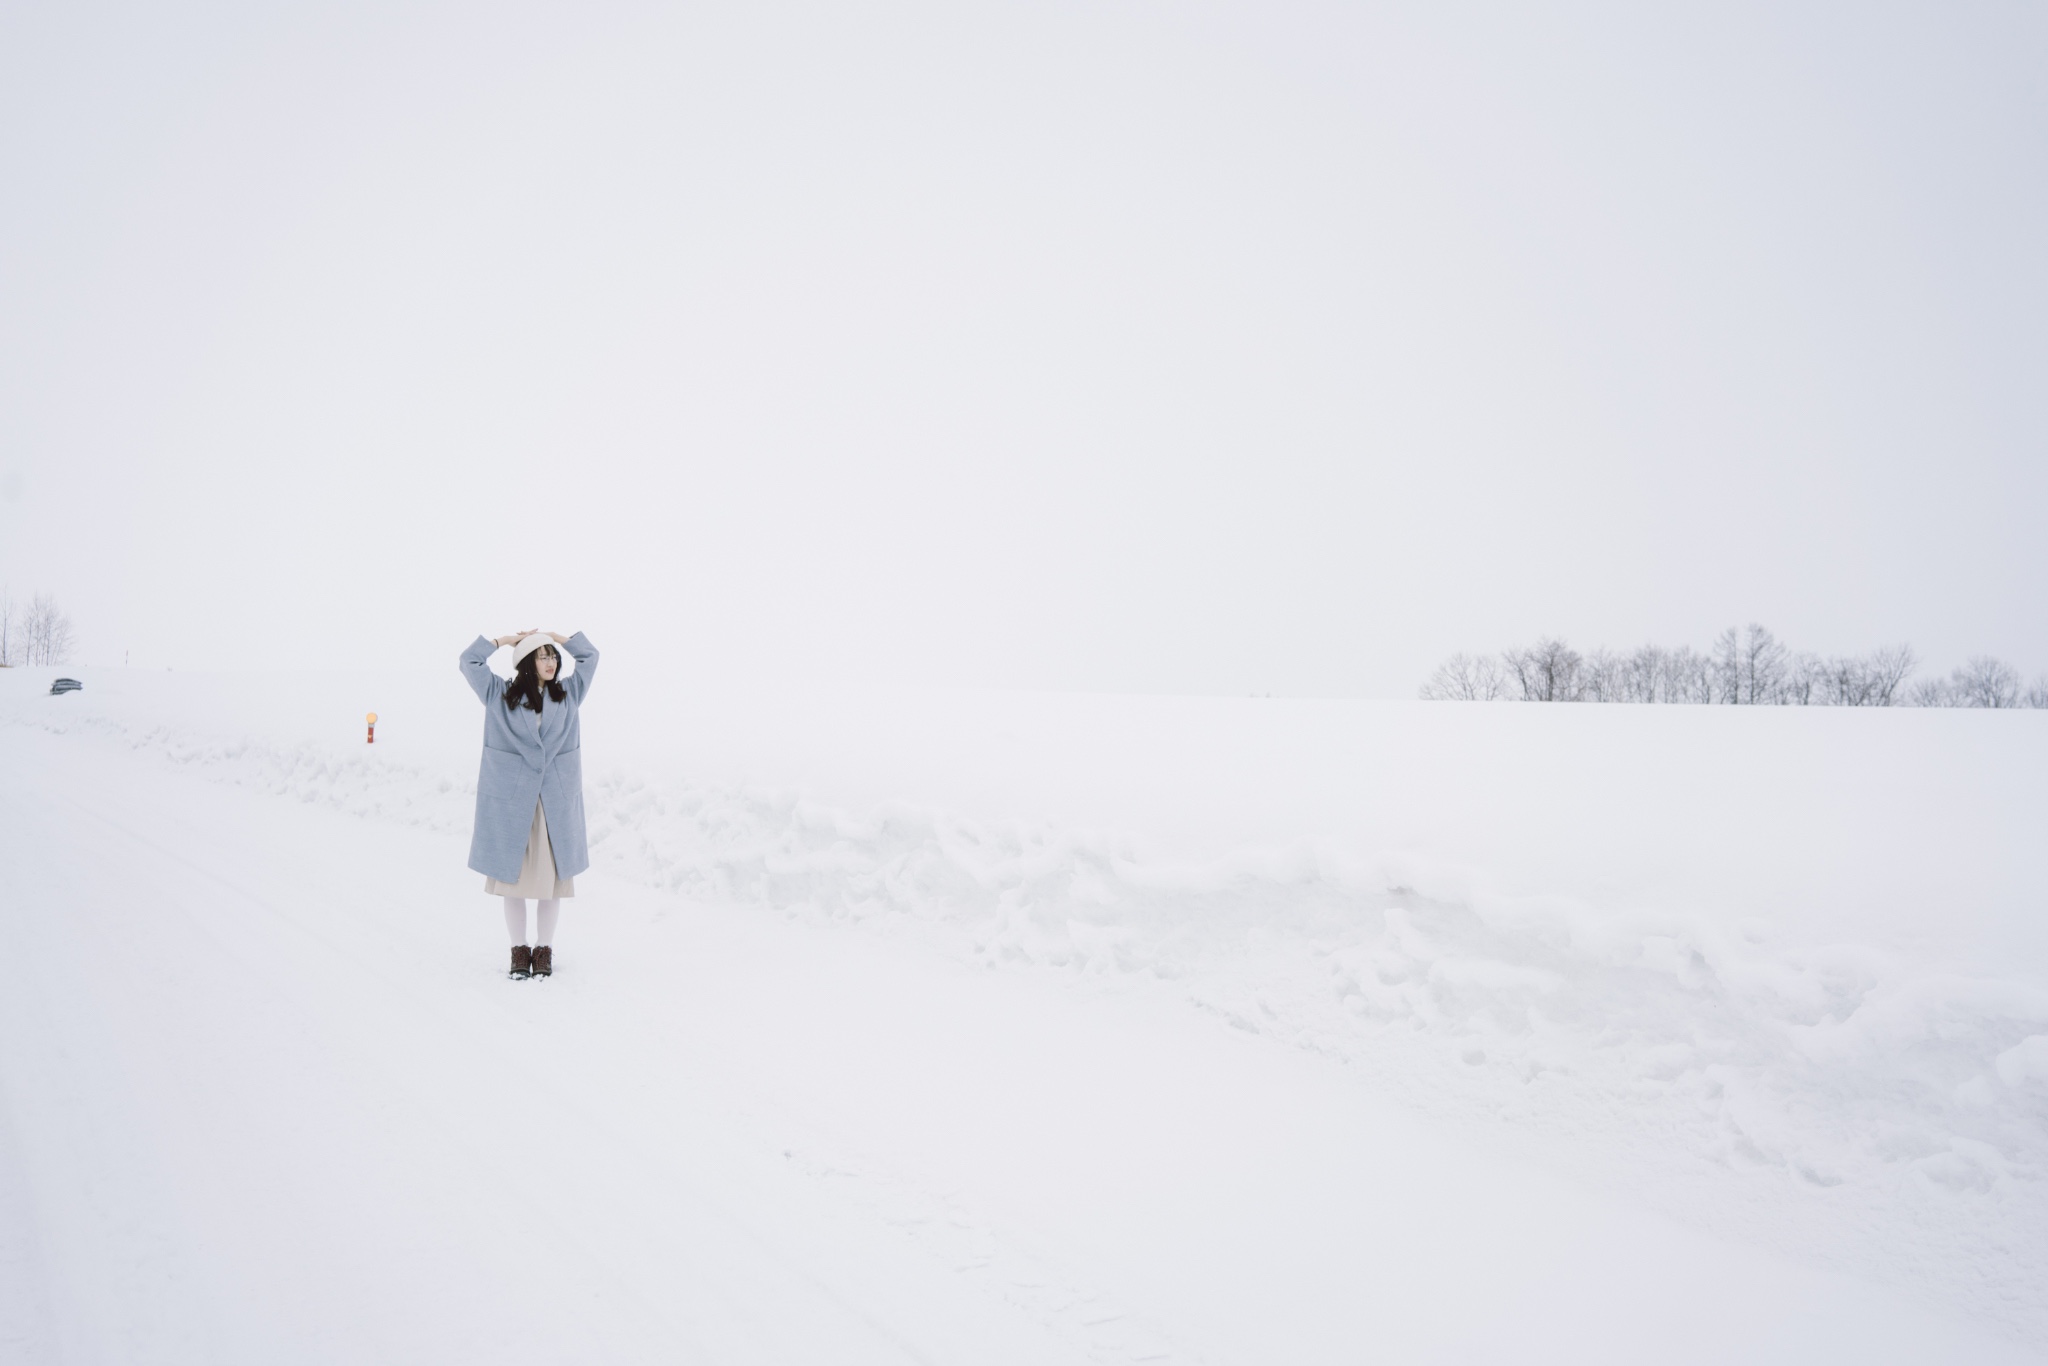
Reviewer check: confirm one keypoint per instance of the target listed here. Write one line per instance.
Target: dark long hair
(526, 685)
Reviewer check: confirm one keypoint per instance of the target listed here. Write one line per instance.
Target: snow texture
(1859, 1105)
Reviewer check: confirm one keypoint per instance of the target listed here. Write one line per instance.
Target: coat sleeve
(585, 654)
(481, 679)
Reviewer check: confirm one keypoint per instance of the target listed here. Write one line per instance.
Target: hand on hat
(518, 636)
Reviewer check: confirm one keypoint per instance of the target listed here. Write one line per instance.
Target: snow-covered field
(977, 1028)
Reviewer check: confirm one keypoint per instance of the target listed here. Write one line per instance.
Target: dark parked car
(65, 685)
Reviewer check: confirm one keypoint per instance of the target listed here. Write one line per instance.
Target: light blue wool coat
(529, 757)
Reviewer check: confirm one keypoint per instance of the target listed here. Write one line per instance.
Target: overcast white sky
(1181, 347)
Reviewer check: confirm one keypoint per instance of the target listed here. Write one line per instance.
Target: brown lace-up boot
(544, 961)
(522, 961)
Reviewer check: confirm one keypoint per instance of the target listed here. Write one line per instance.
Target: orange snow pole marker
(373, 730)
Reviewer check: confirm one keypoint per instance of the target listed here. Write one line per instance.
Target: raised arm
(585, 654)
(477, 671)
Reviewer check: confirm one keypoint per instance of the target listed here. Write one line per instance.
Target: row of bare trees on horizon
(1746, 667)
(35, 632)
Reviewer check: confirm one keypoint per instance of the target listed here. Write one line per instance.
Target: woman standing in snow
(529, 793)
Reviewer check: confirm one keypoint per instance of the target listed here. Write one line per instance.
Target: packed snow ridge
(1830, 1095)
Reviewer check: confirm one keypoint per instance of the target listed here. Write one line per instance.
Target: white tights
(544, 913)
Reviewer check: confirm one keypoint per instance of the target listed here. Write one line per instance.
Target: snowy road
(268, 1097)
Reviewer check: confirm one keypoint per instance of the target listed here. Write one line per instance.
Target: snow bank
(1908, 1098)
(1855, 1098)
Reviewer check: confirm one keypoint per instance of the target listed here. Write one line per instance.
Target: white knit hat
(534, 642)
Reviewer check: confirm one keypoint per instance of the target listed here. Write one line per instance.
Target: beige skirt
(537, 874)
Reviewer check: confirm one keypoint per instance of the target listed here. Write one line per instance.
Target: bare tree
(1604, 678)
(1931, 692)
(1643, 675)
(32, 630)
(1490, 680)
(1873, 680)
(1749, 666)
(1845, 682)
(58, 649)
(1688, 676)
(1804, 682)
(1888, 668)
(1462, 678)
(1985, 682)
(1764, 663)
(45, 631)
(1727, 658)
(10, 634)
(1547, 671)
